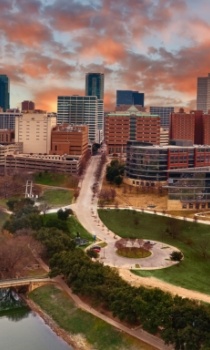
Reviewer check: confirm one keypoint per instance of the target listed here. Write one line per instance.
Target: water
(21, 328)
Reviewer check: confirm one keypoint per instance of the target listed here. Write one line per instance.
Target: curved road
(85, 209)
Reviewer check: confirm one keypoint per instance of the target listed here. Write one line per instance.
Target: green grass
(57, 197)
(193, 271)
(98, 333)
(73, 225)
(3, 218)
(52, 179)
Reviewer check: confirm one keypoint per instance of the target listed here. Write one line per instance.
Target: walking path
(137, 333)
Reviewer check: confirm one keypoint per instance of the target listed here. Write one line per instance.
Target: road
(85, 209)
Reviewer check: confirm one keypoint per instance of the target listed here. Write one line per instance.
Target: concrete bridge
(25, 283)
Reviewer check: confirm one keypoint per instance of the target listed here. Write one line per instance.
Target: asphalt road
(85, 209)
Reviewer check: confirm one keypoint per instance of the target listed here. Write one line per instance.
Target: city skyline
(157, 47)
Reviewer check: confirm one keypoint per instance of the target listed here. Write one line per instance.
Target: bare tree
(15, 254)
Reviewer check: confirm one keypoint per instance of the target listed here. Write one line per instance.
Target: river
(21, 328)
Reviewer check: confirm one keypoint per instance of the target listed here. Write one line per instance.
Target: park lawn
(193, 240)
(73, 225)
(57, 197)
(53, 179)
(98, 333)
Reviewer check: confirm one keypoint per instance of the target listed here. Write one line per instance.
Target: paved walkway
(86, 211)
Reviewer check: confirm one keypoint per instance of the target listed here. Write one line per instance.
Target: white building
(34, 131)
(203, 93)
(80, 110)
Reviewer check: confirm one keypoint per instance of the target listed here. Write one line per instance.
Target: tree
(174, 227)
(176, 255)
(118, 180)
(63, 214)
(15, 255)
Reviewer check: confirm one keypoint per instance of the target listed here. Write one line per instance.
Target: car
(96, 248)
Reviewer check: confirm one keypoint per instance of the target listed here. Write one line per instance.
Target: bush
(176, 256)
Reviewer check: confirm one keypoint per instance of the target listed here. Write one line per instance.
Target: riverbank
(75, 341)
(79, 328)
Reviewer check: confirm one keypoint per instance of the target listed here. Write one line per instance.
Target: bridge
(29, 283)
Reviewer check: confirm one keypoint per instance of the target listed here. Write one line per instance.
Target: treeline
(181, 322)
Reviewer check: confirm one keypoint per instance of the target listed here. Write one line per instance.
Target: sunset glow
(158, 47)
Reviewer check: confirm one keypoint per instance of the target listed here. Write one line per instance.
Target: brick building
(132, 124)
(193, 126)
(69, 139)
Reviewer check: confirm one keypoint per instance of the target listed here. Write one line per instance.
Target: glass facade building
(4, 92)
(129, 97)
(190, 187)
(94, 85)
(146, 162)
(77, 110)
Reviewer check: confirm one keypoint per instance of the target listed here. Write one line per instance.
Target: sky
(158, 47)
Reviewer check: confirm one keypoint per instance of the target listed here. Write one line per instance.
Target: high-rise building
(34, 131)
(4, 92)
(94, 85)
(7, 120)
(203, 93)
(78, 110)
(27, 106)
(164, 113)
(129, 97)
(122, 126)
(193, 126)
(182, 126)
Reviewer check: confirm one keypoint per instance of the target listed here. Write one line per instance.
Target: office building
(79, 110)
(129, 98)
(27, 107)
(4, 93)
(70, 140)
(94, 85)
(182, 126)
(34, 131)
(203, 93)
(122, 126)
(164, 114)
(7, 120)
(193, 126)
(147, 164)
(189, 189)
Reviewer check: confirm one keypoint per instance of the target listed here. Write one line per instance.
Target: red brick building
(193, 126)
(131, 124)
(69, 140)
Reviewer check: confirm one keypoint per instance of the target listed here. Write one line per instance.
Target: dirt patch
(147, 198)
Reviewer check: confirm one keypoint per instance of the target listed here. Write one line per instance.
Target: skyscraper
(4, 92)
(203, 93)
(94, 85)
(129, 97)
(78, 110)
